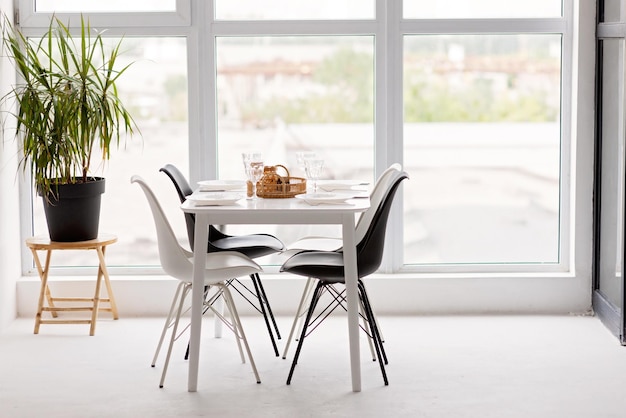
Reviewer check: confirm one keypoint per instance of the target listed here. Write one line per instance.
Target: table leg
(351, 278)
(197, 295)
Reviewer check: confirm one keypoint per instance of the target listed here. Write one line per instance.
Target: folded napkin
(333, 185)
(325, 198)
(214, 199)
(220, 185)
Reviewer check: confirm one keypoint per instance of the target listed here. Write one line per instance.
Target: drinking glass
(301, 156)
(254, 171)
(248, 158)
(313, 168)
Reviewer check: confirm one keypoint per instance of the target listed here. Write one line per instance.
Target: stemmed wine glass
(253, 164)
(246, 157)
(313, 168)
(301, 156)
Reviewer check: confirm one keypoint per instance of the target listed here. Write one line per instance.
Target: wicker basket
(274, 186)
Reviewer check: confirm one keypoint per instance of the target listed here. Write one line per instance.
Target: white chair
(317, 243)
(251, 245)
(178, 263)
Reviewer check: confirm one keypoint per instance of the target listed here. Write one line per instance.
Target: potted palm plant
(68, 115)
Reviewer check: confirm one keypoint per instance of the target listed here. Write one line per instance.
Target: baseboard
(609, 314)
(147, 296)
(390, 294)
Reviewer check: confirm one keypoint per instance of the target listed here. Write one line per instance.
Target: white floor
(478, 367)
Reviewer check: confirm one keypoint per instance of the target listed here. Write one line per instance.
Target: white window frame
(562, 26)
(181, 17)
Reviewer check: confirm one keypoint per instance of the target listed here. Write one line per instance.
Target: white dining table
(273, 212)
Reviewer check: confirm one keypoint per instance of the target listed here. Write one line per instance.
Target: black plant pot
(73, 212)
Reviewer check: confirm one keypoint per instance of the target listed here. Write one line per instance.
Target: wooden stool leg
(43, 291)
(107, 282)
(40, 270)
(96, 296)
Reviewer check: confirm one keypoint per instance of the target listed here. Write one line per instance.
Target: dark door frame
(612, 316)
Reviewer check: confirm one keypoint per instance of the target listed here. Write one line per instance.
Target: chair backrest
(370, 248)
(176, 261)
(183, 189)
(382, 186)
(180, 181)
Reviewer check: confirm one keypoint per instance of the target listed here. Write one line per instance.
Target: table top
(278, 211)
(42, 242)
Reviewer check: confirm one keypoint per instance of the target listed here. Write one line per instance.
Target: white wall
(390, 294)
(9, 210)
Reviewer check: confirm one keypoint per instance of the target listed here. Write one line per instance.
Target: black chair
(328, 268)
(253, 246)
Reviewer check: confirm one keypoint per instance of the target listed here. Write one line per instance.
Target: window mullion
(484, 26)
(389, 119)
(294, 27)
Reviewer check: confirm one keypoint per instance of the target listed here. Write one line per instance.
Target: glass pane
(475, 9)
(280, 95)
(155, 91)
(482, 145)
(612, 11)
(612, 176)
(293, 9)
(68, 6)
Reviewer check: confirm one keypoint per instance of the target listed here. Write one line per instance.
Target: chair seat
(312, 243)
(224, 266)
(253, 245)
(326, 266)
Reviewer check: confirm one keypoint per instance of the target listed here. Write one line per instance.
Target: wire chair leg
(314, 299)
(168, 322)
(375, 335)
(308, 287)
(368, 329)
(218, 311)
(376, 329)
(268, 306)
(185, 291)
(218, 324)
(257, 287)
(238, 328)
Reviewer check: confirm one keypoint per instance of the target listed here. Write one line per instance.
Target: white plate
(215, 199)
(326, 198)
(221, 185)
(334, 185)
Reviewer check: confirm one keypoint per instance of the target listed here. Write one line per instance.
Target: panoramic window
(482, 139)
(476, 114)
